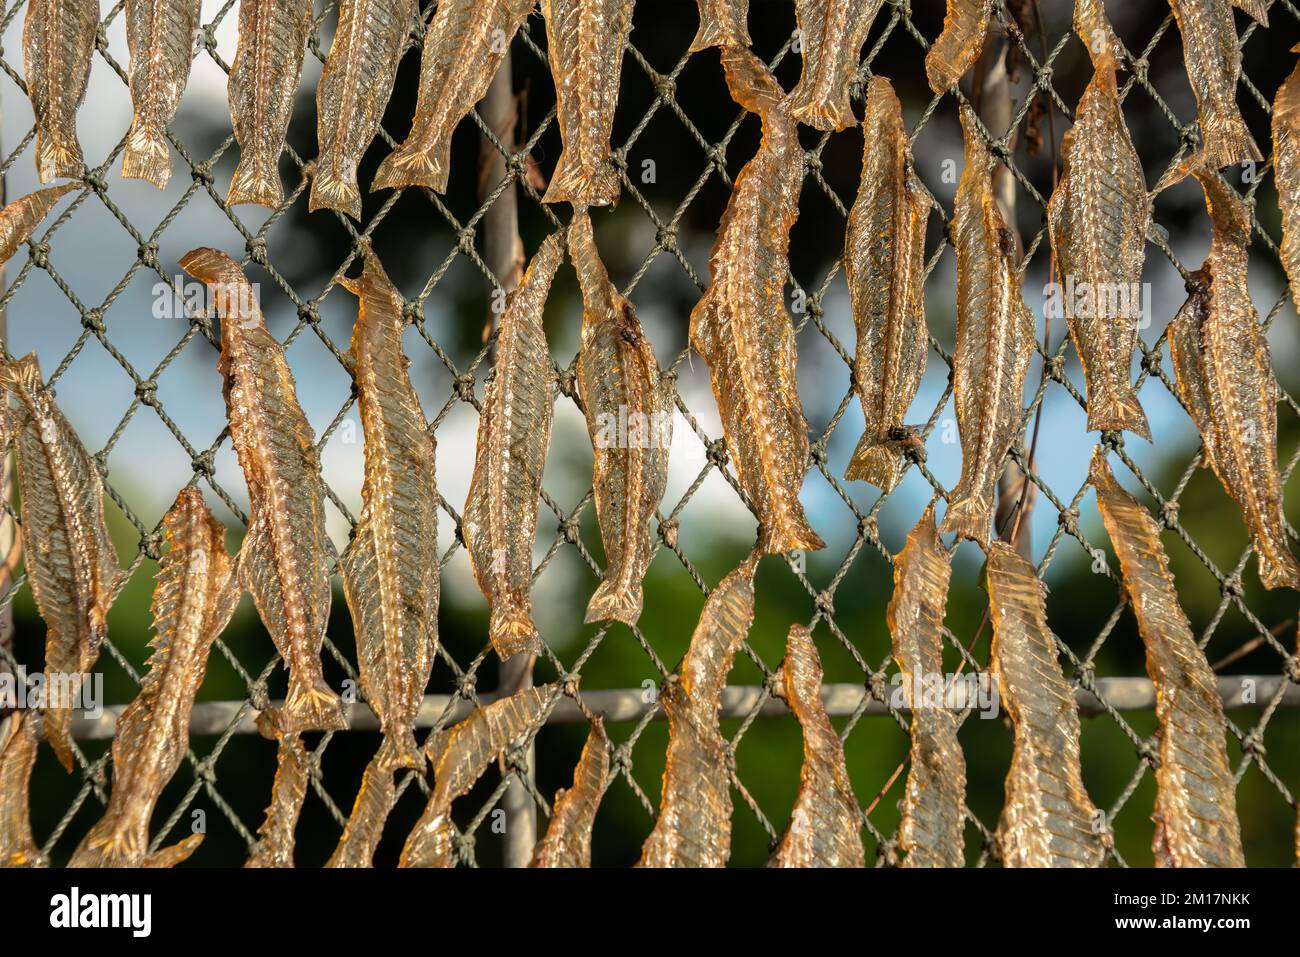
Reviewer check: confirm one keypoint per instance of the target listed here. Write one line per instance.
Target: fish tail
(969, 517)
(790, 533)
(718, 32)
(333, 188)
(570, 183)
(512, 632)
(876, 463)
(311, 707)
(399, 750)
(56, 158)
(414, 166)
(146, 156)
(1279, 569)
(819, 112)
(171, 856)
(24, 373)
(112, 842)
(1119, 413)
(254, 182)
(1226, 144)
(615, 600)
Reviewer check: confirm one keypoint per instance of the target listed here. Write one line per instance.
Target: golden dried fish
(825, 823)
(568, 837)
(933, 807)
(286, 556)
(884, 262)
(1196, 805)
(831, 34)
(1213, 61)
(71, 564)
(17, 755)
(354, 87)
(160, 37)
(1224, 378)
(995, 339)
(723, 23)
(275, 838)
(965, 25)
(740, 326)
(1097, 220)
(629, 417)
(1047, 820)
(514, 428)
(1094, 29)
(460, 756)
(58, 42)
(693, 828)
(19, 219)
(463, 49)
(585, 40)
(195, 596)
(365, 826)
(262, 86)
(390, 568)
(1286, 160)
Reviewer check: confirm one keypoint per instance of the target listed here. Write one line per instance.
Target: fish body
(884, 263)
(275, 838)
(160, 38)
(58, 43)
(72, 566)
(500, 519)
(723, 23)
(17, 756)
(965, 24)
(19, 219)
(1286, 161)
(365, 825)
(740, 326)
(286, 558)
(568, 837)
(831, 34)
(618, 379)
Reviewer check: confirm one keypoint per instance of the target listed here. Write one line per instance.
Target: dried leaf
(1286, 160)
(831, 34)
(568, 837)
(723, 23)
(275, 838)
(160, 38)
(17, 755)
(58, 42)
(20, 218)
(965, 25)
(365, 826)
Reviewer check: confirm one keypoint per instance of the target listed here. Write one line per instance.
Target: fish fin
(171, 856)
(570, 184)
(415, 166)
(334, 189)
(969, 518)
(1121, 413)
(875, 462)
(147, 156)
(24, 373)
(512, 632)
(254, 183)
(399, 750)
(1282, 572)
(311, 708)
(815, 112)
(615, 600)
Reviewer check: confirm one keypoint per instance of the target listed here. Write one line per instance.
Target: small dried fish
(825, 823)
(262, 86)
(17, 755)
(723, 23)
(1224, 377)
(71, 563)
(352, 93)
(568, 837)
(275, 838)
(740, 326)
(831, 34)
(965, 25)
(884, 262)
(390, 568)
(1286, 160)
(1213, 61)
(1047, 820)
(286, 557)
(500, 522)
(933, 808)
(1196, 804)
(1097, 220)
(365, 826)
(160, 38)
(463, 49)
(629, 417)
(693, 828)
(995, 339)
(195, 596)
(19, 219)
(585, 41)
(58, 42)
(460, 756)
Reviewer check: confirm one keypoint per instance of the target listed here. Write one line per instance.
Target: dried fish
(71, 564)
(1196, 805)
(463, 49)
(831, 34)
(1094, 29)
(500, 522)
(585, 41)
(1097, 220)
(160, 38)
(1224, 377)
(568, 837)
(390, 568)
(286, 557)
(19, 219)
(740, 326)
(933, 808)
(365, 826)
(995, 339)
(825, 823)
(1286, 160)
(460, 756)
(262, 86)
(1047, 820)
(884, 263)
(195, 596)
(17, 755)
(353, 91)
(694, 824)
(58, 42)
(275, 838)
(723, 23)
(1213, 61)
(629, 416)
(965, 25)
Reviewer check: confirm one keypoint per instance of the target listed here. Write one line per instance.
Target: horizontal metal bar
(630, 704)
